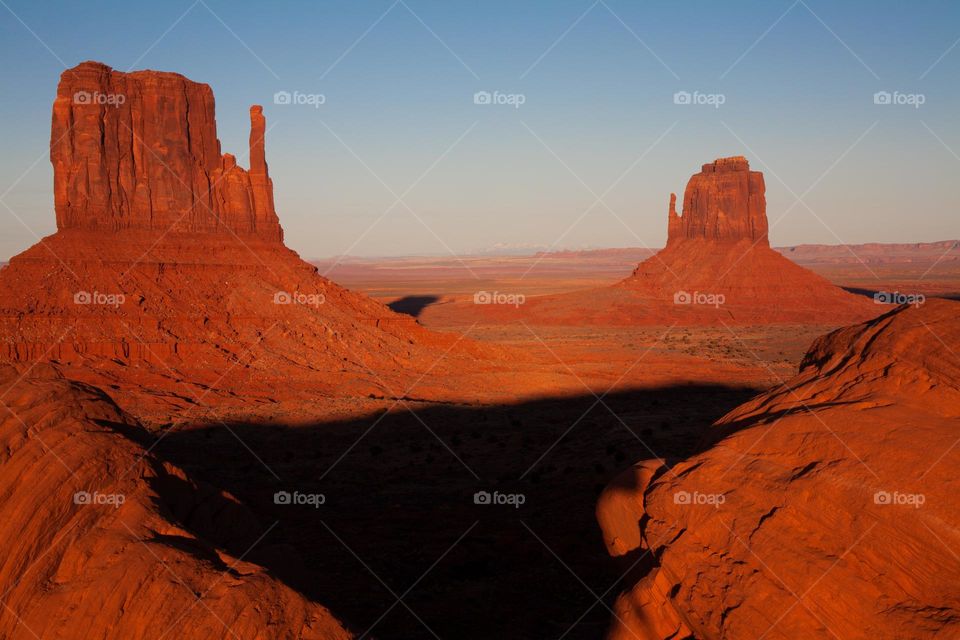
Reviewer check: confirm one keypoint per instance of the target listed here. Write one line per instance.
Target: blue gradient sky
(799, 105)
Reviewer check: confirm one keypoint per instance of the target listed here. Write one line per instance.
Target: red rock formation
(202, 315)
(169, 257)
(830, 509)
(260, 182)
(725, 202)
(718, 264)
(717, 267)
(140, 151)
(99, 536)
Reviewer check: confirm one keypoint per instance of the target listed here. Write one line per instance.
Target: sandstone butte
(140, 151)
(168, 265)
(81, 562)
(717, 267)
(839, 504)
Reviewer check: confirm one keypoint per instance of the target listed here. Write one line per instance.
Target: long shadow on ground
(400, 518)
(413, 305)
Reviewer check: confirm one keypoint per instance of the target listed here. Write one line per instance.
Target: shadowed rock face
(140, 151)
(830, 509)
(102, 539)
(724, 202)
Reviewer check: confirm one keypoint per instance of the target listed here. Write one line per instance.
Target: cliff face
(140, 151)
(725, 202)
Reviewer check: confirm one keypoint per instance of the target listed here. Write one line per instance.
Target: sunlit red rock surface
(717, 268)
(103, 540)
(725, 202)
(838, 508)
(140, 151)
(203, 311)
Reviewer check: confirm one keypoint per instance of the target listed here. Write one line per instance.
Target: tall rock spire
(260, 182)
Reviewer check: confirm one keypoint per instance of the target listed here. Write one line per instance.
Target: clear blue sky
(798, 79)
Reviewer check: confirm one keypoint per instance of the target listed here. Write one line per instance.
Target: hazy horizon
(588, 159)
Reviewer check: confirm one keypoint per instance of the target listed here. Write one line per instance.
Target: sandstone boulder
(829, 507)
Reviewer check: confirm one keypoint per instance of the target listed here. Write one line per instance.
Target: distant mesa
(140, 151)
(719, 246)
(717, 267)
